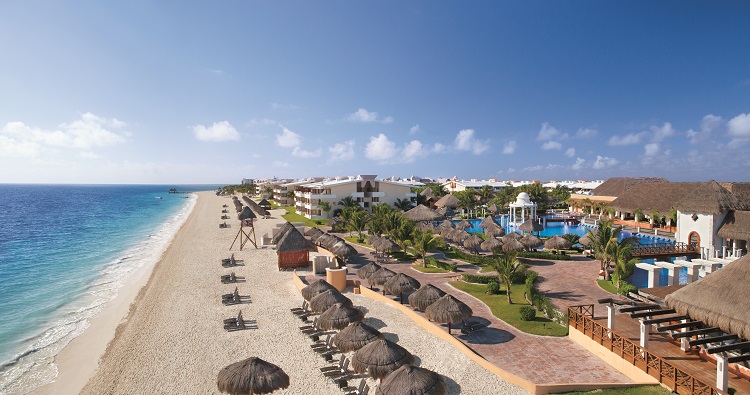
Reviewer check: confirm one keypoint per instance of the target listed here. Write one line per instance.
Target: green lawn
(429, 269)
(499, 306)
(607, 286)
(355, 240)
(292, 216)
(641, 390)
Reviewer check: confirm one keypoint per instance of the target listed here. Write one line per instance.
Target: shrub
(627, 287)
(543, 255)
(493, 288)
(527, 313)
(441, 265)
(520, 276)
(478, 278)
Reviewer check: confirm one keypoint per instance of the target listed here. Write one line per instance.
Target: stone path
(539, 359)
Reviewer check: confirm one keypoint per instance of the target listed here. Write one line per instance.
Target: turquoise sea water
(65, 250)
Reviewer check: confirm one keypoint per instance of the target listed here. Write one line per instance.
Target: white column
(684, 342)
(645, 331)
(722, 373)
(692, 273)
(611, 316)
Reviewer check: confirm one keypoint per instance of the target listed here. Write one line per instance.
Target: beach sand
(172, 340)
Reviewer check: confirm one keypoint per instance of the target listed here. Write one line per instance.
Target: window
(694, 239)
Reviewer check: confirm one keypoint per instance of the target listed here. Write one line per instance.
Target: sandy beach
(172, 340)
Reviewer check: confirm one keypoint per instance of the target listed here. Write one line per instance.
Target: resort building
(579, 187)
(454, 185)
(366, 190)
(281, 191)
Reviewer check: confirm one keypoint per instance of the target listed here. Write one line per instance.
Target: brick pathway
(539, 359)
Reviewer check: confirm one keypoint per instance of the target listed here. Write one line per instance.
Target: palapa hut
(487, 221)
(464, 224)
(473, 242)
(459, 235)
(448, 200)
(313, 232)
(379, 358)
(446, 212)
(511, 236)
(531, 226)
(246, 213)
(422, 213)
(448, 310)
(255, 207)
(367, 270)
(412, 380)
(513, 245)
(400, 284)
(339, 316)
(381, 276)
(251, 376)
(264, 204)
(491, 244)
(447, 224)
(426, 295)
(736, 226)
(493, 208)
(324, 300)
(281, 232)
(237, 204)
(316, 288)
(494, 231)
(293, 250)
(530, 241)
(355, 336)
(557, 243)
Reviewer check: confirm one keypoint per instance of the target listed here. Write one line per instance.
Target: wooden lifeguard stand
(246, 229)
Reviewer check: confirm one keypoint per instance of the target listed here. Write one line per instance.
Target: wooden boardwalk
(664, 249)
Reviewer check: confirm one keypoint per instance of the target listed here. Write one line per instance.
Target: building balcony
(410, 194)
(375, 194)
(321, 196)
(298, 193)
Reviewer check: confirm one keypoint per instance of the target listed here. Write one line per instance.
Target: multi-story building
(281, 191)
(366, 190)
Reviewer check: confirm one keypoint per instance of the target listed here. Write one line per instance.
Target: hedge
(441, 265)
(544, 255)
(479, 278)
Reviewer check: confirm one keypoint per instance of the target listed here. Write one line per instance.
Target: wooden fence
(681, 382)
(664, 249)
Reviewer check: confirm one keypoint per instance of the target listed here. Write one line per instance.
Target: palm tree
(655, 217)
(588, 203)
(346, 215)
(638, 215)
(358, 223)
(402, 204)
(672, 217)
(403, 233)
(486, 193)
(348, 201)
(268, 190)
(605, 244)
(325, 207)
(624, 264)
(506, 266)
(424, 242)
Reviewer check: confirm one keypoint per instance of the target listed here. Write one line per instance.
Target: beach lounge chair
(324, 346)
(310, 328)
(239, 323)
(341, 372)
(223, 225)
(300, 310)
(468, 326)
(234, 298)
(338, 366)
(231, 278)
(359, 390)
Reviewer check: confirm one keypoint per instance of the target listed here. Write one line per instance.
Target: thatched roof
(265, 204)
(717, 299)
(584, 240)
(448, 200)
(255, 207)
(355, 336)
(446, 212)
(323, 301)
(460, 235)
(493, 208)
(282, 231)
(447, 224)
(381, 276)
(387, 244)
(473, 241)
(531, 241)
(411, 380)
(367, 270)
(491, 244)
(316, 288)
(339, 316)
(342, 249)
(293, 241)
(251, 376)
(246, 213)
(487, 221)
(710, 198)
(422, 213)
(313, 232)
(448, 310)
(531, 226)
(511, 236)
(650, 196)
(427, 192)
(513, 245)
(426, 295)
(494, 230)
(464, 224)
(237, 205)
(557, 243)
(736, 225)
(617, 186)
(400, 284)
(379, 358)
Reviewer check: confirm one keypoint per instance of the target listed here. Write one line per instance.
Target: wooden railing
(679, 381)
(664, 249)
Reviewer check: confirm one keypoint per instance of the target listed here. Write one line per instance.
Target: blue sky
(211, 92)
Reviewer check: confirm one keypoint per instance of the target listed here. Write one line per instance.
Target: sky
(213, 92)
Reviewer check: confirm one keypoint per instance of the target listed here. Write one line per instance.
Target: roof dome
(523, 199)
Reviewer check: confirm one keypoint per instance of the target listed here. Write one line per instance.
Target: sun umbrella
(315, 288)
(339, 316)
(388, 245)
(464, 224)
(426, 295)
(511, 236)
(373, 240)
(251, 376)
(400, 284)
(446, 212)
(448, 310)
(531, 226)
(422, 213)
(381, 276)
(557, 243)
(325, 300)
(494, 231)
(531, 241)
(246, 214)
(355, 336)
(487, 221)
(513, 245)
(379, 358)
(493, 208)
(447, 224)
(448, 201)
(491, 244)
(343, 249)
(584, 240)
(367, 270)
(472, 242)
(424, 226)
(313, 231)
(412, 380)
(460, 235)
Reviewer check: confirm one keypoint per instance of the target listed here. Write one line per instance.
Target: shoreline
(79, 360)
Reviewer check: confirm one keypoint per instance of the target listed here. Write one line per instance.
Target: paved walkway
(539, 359)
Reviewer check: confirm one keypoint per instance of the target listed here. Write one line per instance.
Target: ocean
(65, 250)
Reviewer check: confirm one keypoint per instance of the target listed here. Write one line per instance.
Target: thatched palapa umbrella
(388, 245)
(584, 240)
(531, 226)
(323, 301)
(472, 242)
(379, 358)
(487, 221)
(412, 380)
(464, 224)
(448, 310)
(425, 226)
(343, 249)
(316, 288)
(511, 236)
(493, 208)
(237, 205)
(339, 316)
(400, 284)
(264, 204)
(313, 232)
(494, 231)
(367, 270)
(557, 243)
(255, 207)
(460, 235)
(355, 336)
(426, 295)
(531, 241)
(448, 224)
(422, 213)
(491, 244)
(513, 245)
(446, 212)
(251, 376)
(448, 200)
(381, 276)
(282, 231)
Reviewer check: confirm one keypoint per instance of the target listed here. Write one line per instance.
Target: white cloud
(603, 162)
(415, 129)
(341, 151)
(586, 133)
(662, 132)
(711, 123)
(380, 148)
(579, 164)
(438, 148)
(362, 115)
(651, 149)
(412, 151)
(278, 163)
(629, 139)
(570, 152)
(301, 153)
(549, 132)
(739, 126)
(510, 147)
(550, 145)
(288, 139)
(465, 141)
(219, 131)
(21, 149)
(88, 155)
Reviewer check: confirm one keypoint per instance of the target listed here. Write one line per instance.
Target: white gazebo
(523, 201)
